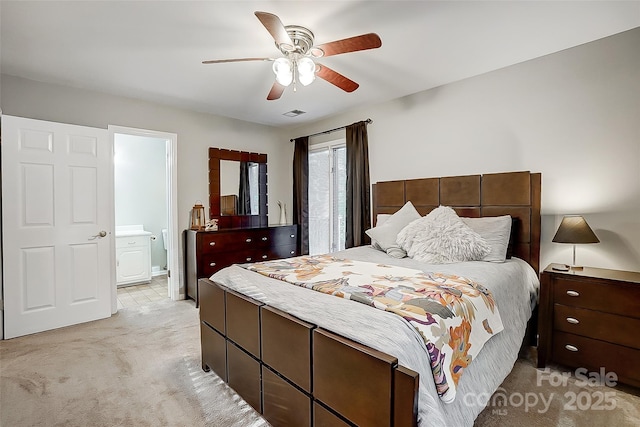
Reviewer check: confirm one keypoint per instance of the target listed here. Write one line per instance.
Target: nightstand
(590, 318)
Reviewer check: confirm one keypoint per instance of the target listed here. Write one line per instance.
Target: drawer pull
(264, 257)
(292, 252)
(293, 236)
(573, 294)
(573, 320)
(249, 259)
(212, 243)
(248, 240)
(571, 347)
(264, 239)
(212, 264)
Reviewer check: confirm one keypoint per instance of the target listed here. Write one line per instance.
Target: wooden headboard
(514, 193)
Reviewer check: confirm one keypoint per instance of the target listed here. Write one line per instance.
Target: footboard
(297, 374)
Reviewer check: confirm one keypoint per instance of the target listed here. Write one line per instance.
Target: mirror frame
(237, 221)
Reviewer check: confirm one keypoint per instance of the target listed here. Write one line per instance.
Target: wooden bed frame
(286, 368)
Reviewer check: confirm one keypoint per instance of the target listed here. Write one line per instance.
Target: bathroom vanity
(133, 255)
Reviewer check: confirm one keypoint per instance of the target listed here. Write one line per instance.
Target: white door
(56, 209)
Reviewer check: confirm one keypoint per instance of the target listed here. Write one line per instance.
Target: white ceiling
(153, 50)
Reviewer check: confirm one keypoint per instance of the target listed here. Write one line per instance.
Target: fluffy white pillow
(441, 238)
(495, 230)
(385, 235)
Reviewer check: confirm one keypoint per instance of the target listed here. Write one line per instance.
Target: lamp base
(560, 267)
(577, 267)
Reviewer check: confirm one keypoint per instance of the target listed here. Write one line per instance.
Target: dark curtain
(301, 191)
(244, 192)
(358, 192)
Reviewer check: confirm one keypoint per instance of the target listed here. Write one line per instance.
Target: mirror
(234, 198)
(232, 204)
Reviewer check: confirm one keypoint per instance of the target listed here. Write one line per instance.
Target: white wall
(573, 115)
(196, 132)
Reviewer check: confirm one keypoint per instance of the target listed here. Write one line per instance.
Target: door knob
(99, 235)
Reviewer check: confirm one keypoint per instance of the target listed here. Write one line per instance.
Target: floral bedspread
(454, 315)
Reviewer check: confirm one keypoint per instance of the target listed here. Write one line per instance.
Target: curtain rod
(369, 121)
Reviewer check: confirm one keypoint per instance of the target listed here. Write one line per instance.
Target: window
(327, 197)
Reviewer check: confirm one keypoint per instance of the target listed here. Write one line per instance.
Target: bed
(305, 358)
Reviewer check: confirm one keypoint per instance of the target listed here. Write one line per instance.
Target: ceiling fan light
(306, 71)
(282, 68)
(306, 79)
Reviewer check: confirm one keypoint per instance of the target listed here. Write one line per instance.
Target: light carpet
(141, 367)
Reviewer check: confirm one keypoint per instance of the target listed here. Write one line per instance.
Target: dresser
(210, 251)
(590, 318)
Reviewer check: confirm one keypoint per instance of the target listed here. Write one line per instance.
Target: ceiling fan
(297, 64)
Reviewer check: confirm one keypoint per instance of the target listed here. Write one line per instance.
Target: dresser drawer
(235, 241)
(284, 236)
(275, 236)
(602, 326)
(280, 252)
(576, 351)
(610, 297)
(210, 263)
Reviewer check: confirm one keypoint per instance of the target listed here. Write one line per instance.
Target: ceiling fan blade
(220, 61)
(336, 78)
(352, 44)
(275, 27)
(276, 91)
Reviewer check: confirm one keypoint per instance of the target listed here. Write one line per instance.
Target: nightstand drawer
(580, 352)
(598, 325)
(609, 297)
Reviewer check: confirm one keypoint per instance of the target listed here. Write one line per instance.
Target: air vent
(293, 113)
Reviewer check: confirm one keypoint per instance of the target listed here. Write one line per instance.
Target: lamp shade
(283, 69)
(306, 71)
(574, 229)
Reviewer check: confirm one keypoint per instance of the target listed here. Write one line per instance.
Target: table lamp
(575, 230)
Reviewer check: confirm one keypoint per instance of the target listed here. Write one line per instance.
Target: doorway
(145, 195)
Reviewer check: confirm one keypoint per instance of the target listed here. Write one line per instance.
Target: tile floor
(143, 293)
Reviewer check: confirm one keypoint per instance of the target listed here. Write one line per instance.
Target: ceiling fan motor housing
(302, 39)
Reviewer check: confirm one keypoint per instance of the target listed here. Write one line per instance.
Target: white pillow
(441, 238)
(495, 230)
(380, 219)
(385, 234)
